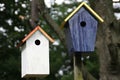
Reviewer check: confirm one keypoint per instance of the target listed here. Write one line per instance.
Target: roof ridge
(32, 32)
(46, 35)
(88, 7)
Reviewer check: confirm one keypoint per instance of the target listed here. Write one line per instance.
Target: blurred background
(15, 17)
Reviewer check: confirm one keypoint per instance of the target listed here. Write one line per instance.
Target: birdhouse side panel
(68, 40)
(38, 54)
(83, 28)
(24, 60)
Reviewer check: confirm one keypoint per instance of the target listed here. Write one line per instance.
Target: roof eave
(32, 32)
(90, 9)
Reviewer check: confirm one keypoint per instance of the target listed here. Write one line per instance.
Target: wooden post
(77, 66)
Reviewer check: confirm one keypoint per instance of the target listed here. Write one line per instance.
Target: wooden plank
(69, 41)
(77, 67)
(35, 58)
(83, 37)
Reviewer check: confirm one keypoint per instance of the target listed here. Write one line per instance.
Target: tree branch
(51, 22)
(40, 5)
(34, 13)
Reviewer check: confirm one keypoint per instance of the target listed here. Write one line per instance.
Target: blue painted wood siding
(83, 38)
(68, 40)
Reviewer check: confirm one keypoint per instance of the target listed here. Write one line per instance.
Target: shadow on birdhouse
(80, 29)
(35, 53)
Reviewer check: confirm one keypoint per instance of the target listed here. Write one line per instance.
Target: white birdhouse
(35, 53)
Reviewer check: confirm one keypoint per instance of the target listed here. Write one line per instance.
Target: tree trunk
(59, 32)
(34, 13)
(108, 40)
(39, 7)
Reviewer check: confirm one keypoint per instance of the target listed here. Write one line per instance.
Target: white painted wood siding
(35, 58)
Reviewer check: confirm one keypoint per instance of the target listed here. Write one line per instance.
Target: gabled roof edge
(74, 11)
(94, 13)
(32, 32)
(46, 35)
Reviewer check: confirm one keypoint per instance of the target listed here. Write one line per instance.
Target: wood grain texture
(88, 8)
(83, 38)
(68, 39)
(35, 58)
(78, 65)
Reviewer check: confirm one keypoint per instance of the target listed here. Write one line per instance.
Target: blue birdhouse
(81, 28)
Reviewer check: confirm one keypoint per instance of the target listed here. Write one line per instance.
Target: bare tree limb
(34, 13)
(43, 12)
(40, 8)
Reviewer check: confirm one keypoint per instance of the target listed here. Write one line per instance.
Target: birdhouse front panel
(35, 56)
(83, 28)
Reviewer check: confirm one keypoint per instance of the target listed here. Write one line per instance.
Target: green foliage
(12, 30)
(67, 77)
(92, 65)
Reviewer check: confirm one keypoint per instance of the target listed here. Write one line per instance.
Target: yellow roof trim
(66, 19)
(90, 9)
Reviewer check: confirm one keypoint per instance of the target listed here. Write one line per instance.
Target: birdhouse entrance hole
(83, 23)
(37, 42)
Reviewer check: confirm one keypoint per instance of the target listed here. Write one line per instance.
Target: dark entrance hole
(37, 42)
(83, 23)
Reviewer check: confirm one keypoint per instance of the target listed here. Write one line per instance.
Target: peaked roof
(88, 8)
(32, 32)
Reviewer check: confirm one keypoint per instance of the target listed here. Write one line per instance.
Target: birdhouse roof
(32, 32)
(83, 4)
